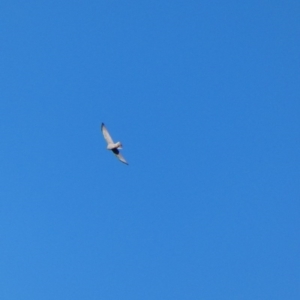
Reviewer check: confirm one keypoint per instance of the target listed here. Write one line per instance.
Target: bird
(114, 147)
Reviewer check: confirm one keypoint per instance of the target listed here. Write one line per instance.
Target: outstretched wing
(106, 134)
(119, 156)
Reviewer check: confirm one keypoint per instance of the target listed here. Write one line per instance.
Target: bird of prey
(114, 147)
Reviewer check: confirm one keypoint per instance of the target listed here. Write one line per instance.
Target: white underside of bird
(111, 145)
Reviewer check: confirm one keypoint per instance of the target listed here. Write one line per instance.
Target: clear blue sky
(204, 95)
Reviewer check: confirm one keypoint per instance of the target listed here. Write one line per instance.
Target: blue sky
(204, 96)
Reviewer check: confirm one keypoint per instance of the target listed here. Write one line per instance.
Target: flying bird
(114, 147)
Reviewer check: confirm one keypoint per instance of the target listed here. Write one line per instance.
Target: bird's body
(114, 147)
(117, 145)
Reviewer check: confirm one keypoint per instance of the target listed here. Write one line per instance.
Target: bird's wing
(106, 134)
(119, 156)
